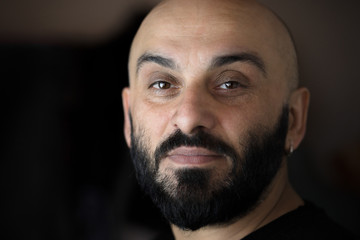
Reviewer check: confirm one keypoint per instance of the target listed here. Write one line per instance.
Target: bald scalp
(247, 11)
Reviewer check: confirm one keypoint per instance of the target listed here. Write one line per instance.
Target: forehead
(201, 30)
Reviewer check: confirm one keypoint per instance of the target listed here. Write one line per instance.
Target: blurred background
(65, 169)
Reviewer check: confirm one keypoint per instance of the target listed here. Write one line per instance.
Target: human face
(203, 68)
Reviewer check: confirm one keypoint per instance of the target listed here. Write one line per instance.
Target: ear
(126, 108)
(298, 110)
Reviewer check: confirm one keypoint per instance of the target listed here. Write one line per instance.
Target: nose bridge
(194, 110)
(194, 96)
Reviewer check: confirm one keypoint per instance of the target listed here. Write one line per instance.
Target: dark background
(65, 170)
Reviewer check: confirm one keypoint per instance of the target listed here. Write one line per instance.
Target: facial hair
(195, 201)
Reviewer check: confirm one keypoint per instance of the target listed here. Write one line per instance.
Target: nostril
(191, 121)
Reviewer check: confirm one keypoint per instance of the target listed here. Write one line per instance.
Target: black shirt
(306, 222)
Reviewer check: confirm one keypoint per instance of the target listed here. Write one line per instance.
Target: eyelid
(161, 81)
(155, 92)
(232, 76)
(157, 76)
(236, 82)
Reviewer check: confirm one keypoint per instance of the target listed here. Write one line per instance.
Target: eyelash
(232, 77)
(159, 86)
(228, 83)
(163, 86)
(236, 83)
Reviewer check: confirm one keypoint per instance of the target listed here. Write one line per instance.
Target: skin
(195, 94)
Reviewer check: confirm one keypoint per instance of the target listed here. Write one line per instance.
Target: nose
(194, 111)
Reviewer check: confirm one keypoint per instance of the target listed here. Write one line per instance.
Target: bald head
(210, 20)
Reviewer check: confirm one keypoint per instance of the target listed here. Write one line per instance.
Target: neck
(281, 199)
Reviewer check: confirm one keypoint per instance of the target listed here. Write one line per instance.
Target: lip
(193, 156)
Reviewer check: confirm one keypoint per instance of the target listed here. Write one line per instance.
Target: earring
(291, 150)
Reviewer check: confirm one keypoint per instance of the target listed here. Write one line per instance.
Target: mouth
(193, 156)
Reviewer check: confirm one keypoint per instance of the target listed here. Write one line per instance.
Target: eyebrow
(148, 57)
(251, 58)
(217, 62)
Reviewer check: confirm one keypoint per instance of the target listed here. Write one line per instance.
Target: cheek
(235, 125)
(153, 122)
(237, 122)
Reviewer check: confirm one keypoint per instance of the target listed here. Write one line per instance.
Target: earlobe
(126, 108)
(298, 110)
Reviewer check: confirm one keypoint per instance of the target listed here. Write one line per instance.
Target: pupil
(228, 84)
(162, 85)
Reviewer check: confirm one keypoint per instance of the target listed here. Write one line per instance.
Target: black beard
(194, 202)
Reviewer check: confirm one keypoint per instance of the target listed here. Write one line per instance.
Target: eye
(230, 85)
(231, 81)
(161, 85)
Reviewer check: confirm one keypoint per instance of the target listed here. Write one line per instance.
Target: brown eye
(229, 85)
(161, 85)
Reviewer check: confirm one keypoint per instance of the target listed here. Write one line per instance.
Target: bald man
(212, 111)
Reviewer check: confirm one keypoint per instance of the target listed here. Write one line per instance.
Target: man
(212, 112)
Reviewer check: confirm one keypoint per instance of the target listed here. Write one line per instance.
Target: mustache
(199, 139)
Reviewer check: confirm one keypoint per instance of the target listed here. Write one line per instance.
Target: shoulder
(307, 222)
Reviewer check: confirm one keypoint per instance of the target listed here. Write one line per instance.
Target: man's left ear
(298, 110)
